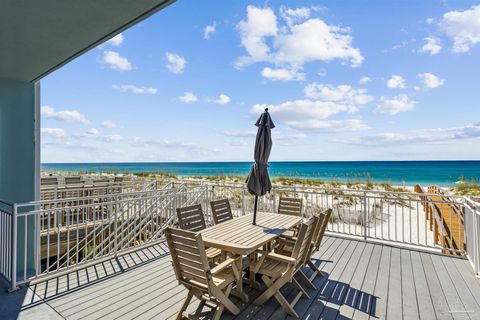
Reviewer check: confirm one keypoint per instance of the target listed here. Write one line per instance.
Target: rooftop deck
(362, 280)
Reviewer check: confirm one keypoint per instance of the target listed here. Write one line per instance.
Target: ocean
(442, 173)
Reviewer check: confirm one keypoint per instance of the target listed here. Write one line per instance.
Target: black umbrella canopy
(258, 180)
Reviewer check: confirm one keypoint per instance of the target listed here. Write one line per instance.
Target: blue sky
(344, 80)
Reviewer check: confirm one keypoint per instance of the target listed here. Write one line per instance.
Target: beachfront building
(38, 38)
(92, 249)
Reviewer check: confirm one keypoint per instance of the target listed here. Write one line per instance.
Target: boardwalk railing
(74, 232)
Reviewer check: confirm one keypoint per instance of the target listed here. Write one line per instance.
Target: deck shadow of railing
(62, 285)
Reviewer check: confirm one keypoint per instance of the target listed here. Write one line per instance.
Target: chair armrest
(281, 258)
(225, 264)
(286, 240)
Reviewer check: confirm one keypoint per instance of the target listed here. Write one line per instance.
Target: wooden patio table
(241, 237)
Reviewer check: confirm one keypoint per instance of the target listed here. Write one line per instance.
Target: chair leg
(220, 307)
(287, 308)
(273, 287)
(185, 304)
(306, 280)
(300, 288)
(316, 270)
(223, 299)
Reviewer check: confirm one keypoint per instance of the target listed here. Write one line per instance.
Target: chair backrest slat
(191, 218)
(221, 210)
(304, 240)
(326, 218)
(188, 255)
(74, 180)
(290, 206)
(49, 181)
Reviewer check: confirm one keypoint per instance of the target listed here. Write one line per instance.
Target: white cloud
(330, 125)
(282, 74)
(222, 99)
(57, 133)
(312, 115)
(260, 23)
(463, 27)
(293, 44)
(396, 82)
(134, 89)
(209, 30)
(440, 135)
(344, 94)
(292, 16)
(109, 124)
(115, 61)
(432, 46)
(188, 97)
(240, 134)
(175, 63)
(397, 104)
(364, 80)
(113, 138)
(431, 81)
(63, 115)
(93, 132)
(429, 20)
(117, 40)
(238, 143)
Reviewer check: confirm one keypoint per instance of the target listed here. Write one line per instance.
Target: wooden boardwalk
(362, 281)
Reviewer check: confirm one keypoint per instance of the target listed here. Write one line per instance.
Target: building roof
(37, 37)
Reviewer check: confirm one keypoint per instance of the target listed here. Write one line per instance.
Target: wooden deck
(362, 281)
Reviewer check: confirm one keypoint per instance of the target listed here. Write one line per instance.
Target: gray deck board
(361, 280)
(436, 292)
(425, 305)
(394, 299)
(379, 309)
(456, 306)
(365, 295)
(352, 294)
(409, 296)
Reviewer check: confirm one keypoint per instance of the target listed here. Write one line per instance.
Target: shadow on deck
(361, 281)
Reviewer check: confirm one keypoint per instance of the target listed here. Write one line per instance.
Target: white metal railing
(49, 192)
(472, 233)
(382, 215)
(73, 232)
(6, 210)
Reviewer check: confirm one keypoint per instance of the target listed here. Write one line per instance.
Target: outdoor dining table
(239, 236)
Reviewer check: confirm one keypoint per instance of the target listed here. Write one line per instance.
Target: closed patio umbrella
(258, 181)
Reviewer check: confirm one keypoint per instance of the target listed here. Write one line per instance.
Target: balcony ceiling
(37, 37)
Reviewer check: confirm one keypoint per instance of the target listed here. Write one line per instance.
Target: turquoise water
(443, 173)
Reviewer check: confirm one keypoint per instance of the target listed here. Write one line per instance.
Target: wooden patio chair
(49, 181)
(221, 210)
(277, 269)
(193, 271)
(191, 218)
(286, 245)
(290, 206)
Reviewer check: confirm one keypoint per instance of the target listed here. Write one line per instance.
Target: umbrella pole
(255, 211)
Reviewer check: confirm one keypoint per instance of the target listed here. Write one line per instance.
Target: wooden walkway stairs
(446, 219)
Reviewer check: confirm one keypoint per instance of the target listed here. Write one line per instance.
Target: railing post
(365, 216)
(243, 201)
(13, 271)
(115, 242)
